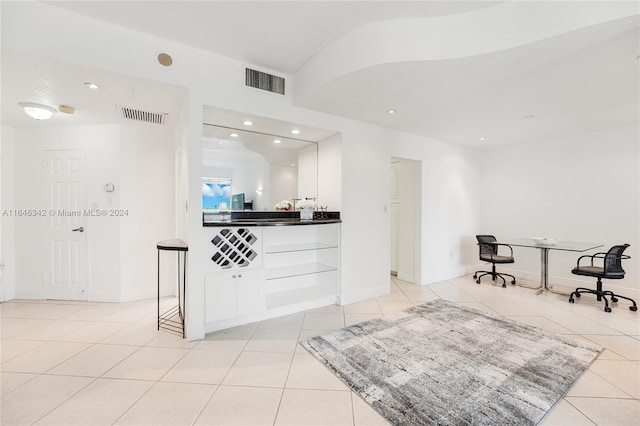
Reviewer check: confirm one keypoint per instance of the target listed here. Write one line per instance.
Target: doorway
(65, 243)
(406, 217)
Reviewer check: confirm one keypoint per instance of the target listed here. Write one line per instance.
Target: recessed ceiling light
(92, 86)
(293, 165)
(482, 138)
(234, 135)
(247, 123)
(391, 111)
(277, 141)
(37, 111)
(528, 117)
(295, 131)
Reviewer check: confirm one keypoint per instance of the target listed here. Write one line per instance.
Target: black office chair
(611, 269)
(489, 253)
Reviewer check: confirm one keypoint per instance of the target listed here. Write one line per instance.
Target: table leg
(544, 269)
(158, 289)
(544, 257)
(543, 281)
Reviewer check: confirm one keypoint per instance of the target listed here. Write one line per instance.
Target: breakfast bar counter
(264, 264)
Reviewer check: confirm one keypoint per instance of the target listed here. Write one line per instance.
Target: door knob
(81, 229)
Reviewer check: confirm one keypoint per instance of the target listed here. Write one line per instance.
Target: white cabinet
(250, 292)
(254, 273)
(220, 297)
(301, 265)
(233, 294)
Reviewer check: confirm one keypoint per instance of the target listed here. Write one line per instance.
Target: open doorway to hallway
(406, 219)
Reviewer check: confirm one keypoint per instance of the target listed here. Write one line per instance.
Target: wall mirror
(254, 163)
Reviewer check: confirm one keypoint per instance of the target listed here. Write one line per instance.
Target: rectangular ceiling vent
(263, 81)
(143, 116)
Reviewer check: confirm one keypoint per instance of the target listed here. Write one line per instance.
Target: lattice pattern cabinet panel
(234, 247)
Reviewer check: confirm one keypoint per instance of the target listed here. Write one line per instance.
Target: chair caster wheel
(607, 309)
(478, 281)
(504, 285)
(577, 294)
(513, 282)
(633, 308)
(571, 300)
(614, 299)
(475, 276)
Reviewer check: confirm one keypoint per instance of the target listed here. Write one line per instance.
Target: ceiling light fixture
(482, 138)
(37, 111)
(528, 117)
(295, 131)
(92, 86)
(234, 135)
(247, 123)
(277, 141)
(391, 111)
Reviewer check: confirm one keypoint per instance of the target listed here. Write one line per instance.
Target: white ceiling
(574, 82)
(54, 83)
(277, 35)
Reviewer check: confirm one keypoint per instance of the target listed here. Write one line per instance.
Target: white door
(65, 241)
(394, 216)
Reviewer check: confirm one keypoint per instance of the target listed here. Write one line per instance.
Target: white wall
(408, 219)
(7, 224)
(120, 250)
(283, 184)
(581, 187)
(147, 191)
(182, 173)
(330, 173)
(308, 172)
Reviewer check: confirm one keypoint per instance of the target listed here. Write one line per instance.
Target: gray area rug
(444, 364)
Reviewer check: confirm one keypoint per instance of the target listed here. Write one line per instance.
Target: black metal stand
(173, 319)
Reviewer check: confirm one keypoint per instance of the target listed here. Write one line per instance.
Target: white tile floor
(70, 363)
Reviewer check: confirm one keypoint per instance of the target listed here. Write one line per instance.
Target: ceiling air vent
(262, 80)
(144, 116)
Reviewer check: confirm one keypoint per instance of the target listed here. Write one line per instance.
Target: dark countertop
(266, 218)
(271, 222)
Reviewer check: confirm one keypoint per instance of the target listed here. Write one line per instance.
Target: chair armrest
(591, 257)
(583, 257)
(497, 244)
(510, 248)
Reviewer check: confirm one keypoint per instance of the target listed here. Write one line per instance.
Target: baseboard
(406, 277)
(564, 281)
(195, 332)
(359, 296)
(29, 294)
(142, 294)
(103, 296)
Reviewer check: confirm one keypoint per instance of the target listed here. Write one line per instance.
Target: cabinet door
(250, 285)
(220, 297)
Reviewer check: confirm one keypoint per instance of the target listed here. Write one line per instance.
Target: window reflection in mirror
(216, 194)
(264, 168)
